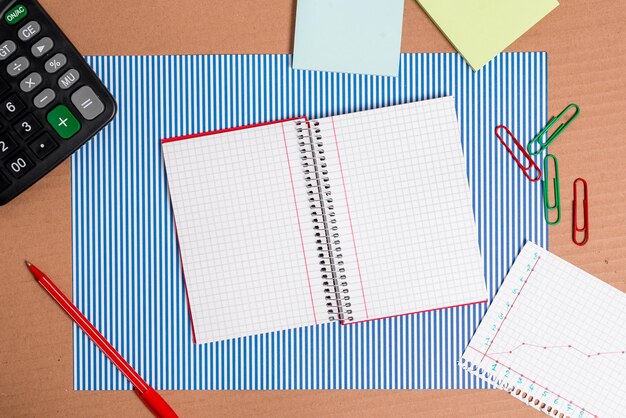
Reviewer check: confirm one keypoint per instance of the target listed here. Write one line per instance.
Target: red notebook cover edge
(236, 128)
(416, 312)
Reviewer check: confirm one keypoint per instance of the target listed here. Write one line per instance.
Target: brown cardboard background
(587, 60)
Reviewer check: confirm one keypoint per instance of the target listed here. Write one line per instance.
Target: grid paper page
(554, 336)
(240, 240)
(403, 201)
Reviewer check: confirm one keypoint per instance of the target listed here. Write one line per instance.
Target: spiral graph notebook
(349, 218)
(554, 337)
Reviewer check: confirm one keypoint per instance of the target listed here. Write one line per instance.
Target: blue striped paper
(126, 271)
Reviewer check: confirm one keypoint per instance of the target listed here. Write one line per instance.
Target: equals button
(87, 102)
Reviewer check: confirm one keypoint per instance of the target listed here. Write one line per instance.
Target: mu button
(63, 122)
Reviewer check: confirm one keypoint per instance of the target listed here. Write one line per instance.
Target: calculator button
(87, 103)
(4, 183)
(68, 79)
(15, 14)
(11, 107)
(43, 146)
(7, 49)
(41, 47)
(44, 98)
(7, 146)
(19, 164)
(55, 63)
(63, 121)
(28, 31)
(31, 82)
(27, 126)
(18, 66)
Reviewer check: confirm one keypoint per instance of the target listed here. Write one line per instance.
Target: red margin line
(511, 308)
(526, 377)
(295, 202)
(345, 193)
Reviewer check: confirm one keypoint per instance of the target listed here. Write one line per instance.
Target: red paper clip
(531, 163)
(585, 227)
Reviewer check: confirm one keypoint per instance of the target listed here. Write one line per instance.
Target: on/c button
(15, 14)
(63, 122)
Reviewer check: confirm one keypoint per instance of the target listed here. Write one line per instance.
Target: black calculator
(51, 101)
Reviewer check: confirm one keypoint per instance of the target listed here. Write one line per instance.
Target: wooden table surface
(587, 65)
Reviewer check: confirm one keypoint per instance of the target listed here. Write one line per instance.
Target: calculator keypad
(51, 102)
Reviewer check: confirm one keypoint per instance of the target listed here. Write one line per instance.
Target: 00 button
(19, 165)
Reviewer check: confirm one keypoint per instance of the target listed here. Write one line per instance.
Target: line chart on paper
(568, 346)
(554, 337)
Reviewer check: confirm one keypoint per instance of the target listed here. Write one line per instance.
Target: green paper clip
(543, 145)
(547, 206)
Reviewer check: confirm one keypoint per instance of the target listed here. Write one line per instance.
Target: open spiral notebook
(348, 218)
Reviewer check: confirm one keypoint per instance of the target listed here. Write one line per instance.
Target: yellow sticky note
(480, 29)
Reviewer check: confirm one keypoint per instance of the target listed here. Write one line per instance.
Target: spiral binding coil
(512, 389)
(333, 272)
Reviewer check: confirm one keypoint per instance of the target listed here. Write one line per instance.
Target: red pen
(155, 403)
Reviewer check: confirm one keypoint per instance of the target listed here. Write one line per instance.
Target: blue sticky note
(352, 36)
